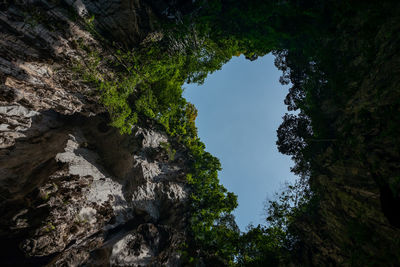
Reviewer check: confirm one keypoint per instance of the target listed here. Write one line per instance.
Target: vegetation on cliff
(337, 57)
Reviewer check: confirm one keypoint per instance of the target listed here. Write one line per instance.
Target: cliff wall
(74, 191)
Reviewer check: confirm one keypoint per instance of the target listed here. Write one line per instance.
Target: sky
(240, 107)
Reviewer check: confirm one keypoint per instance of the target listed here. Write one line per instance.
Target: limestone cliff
(74, 191)
(356, 218)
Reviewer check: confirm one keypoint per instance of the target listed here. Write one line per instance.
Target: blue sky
(240, 108)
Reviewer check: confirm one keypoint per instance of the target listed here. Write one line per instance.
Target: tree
(293, 134)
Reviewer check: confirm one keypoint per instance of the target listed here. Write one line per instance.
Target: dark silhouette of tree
(293, 133)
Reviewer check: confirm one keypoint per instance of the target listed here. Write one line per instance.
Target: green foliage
(273, 243)
(261, 246)
(49, 227)
(169, 150)
(145, 83)
(288, 204)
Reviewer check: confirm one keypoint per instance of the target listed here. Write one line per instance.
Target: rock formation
(73, 190)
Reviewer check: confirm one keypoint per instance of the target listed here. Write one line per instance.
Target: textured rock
(64, 197)
(73, 191)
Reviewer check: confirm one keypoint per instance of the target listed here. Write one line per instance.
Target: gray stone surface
(72, 190)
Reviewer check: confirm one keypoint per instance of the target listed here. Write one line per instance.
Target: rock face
(357, 221)
(73, 191)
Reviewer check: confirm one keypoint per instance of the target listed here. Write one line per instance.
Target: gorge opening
(240, 107)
